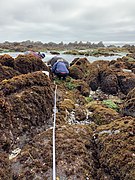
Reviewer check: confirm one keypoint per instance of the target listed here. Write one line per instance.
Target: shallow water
(70, 57)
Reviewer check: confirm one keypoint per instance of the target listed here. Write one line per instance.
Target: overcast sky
(67, 20)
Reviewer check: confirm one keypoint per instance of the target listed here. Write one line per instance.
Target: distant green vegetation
(73, 52)
(5, 50)
(131, 59)
(91, 52)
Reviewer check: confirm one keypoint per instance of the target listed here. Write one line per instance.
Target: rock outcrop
(116, 149)
(29, 63)
(126, 81)
(7, 72)
(129, 104)
(26, 105)
(7, 60)
(79, 68)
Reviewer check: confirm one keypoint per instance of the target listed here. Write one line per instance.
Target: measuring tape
(54, 124)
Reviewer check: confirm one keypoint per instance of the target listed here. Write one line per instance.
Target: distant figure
(39, 55)
(42, 55)
(60, 69)
(55, 59)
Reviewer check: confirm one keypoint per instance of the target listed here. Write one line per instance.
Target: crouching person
(60, 69)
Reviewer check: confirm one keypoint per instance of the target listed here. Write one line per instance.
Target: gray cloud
(68, 20)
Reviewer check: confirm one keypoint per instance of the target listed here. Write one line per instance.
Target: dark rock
(93, 76)
(126, 81)
(129, 104)
(94, 84)
(109, 83)
(54, 52)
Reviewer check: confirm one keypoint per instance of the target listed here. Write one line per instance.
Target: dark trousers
(61, 76)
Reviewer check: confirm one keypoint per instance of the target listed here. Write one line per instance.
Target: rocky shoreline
(95, 121)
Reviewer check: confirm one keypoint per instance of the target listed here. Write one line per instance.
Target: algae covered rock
(26, 106)
(7, 60)
(75, 72)
(108, 80)
(79, 68)
(23, 81)
(93, 75)
(74, 61)
(7, 72)
(82, 87)
(29, 63)
(5, 167)
(74, 155)
(80, 114)
(101, 114)
(117, 143)
(129, 104)
(67, 104)
(109, 84)
(126, 81)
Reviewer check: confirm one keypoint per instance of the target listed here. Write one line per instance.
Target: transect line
(54, 124)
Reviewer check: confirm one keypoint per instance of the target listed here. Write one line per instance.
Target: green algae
(109, 103)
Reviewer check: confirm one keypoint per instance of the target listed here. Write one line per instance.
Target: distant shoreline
(118, 43)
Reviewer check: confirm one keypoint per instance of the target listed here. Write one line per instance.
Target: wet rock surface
(95, 122)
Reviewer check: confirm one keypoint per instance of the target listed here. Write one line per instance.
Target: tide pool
(70, 57)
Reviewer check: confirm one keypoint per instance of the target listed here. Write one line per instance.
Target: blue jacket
(60, 67)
